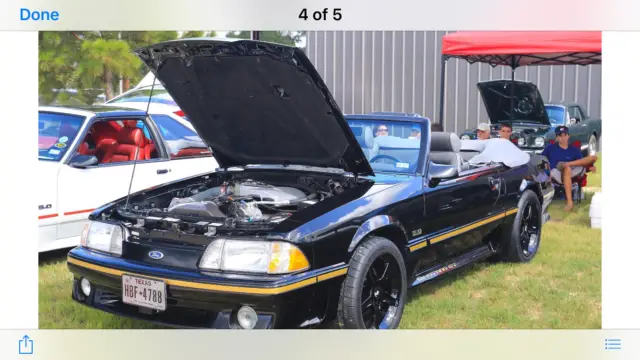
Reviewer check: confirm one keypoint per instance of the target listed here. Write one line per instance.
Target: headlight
(539, 142)
(520, 141)
(103, 237)
(253, 256)
(465, 137)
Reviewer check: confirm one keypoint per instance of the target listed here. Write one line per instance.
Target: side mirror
(438, 173)
(83, 161)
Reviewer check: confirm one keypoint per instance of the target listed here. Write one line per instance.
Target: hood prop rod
(135, 159)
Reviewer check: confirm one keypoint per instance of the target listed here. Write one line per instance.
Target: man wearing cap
(415, 132)
(484, 131)
(566, 162)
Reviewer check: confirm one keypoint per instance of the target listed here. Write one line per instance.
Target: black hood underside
(256, 103)
(526, 104)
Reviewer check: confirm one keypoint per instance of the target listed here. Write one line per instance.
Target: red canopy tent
(521, 48)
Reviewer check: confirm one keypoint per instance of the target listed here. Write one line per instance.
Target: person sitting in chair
(566, 162)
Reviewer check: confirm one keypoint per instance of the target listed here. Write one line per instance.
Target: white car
(137, 97)
(88, 157)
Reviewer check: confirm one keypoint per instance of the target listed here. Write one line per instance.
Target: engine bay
(211, 205)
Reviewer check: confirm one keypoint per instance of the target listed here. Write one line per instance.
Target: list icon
(613, 344)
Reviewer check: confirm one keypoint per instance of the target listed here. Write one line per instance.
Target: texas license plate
(144, 292)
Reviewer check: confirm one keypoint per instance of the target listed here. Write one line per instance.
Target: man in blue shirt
(566, 162)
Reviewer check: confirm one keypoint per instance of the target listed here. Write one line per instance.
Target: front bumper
(198, 301)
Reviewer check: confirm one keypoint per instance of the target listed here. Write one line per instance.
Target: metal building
(400, 71)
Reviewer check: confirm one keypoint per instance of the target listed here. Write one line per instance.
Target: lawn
(560, 288)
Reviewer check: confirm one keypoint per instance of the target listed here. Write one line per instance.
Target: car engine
(237, 204)
(245, 202)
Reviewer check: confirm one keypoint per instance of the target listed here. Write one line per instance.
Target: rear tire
(374, 292)
(522, 239)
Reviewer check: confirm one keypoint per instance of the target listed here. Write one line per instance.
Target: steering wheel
(383, 156)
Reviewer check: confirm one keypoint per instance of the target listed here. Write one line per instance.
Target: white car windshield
(390, 146)
(56, 133)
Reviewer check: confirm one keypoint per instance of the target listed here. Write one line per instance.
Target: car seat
(445, 150)
(130, 139)
(364, 135)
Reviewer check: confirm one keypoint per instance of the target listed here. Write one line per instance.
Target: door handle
(162, 171)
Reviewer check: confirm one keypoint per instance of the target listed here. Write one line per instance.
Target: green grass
(560, 288)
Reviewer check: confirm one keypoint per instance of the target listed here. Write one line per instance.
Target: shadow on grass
(446, 280)
(53, 257)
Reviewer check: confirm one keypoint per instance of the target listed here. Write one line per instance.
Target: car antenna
(135, 159)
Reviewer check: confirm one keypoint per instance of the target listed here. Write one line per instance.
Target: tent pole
(513, 83)
(442, 77)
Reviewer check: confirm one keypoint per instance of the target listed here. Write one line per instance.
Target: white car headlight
(520, 141)
(539, 142)
(253, 256)
(465, 137)
(103, 237)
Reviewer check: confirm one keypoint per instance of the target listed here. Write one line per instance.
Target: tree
(91, 61)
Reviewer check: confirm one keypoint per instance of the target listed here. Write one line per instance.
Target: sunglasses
(383, 130)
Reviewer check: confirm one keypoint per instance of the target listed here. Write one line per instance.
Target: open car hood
(256, 103)
(529, 106)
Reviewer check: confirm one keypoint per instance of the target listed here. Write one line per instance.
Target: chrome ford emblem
(156, 255)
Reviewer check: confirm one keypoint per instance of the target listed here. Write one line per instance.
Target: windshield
(390, 146)
(556, 114)
(56, 132)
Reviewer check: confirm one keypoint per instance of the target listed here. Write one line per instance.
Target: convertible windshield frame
(399, 132)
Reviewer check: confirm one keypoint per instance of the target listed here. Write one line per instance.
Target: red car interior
(116, 143)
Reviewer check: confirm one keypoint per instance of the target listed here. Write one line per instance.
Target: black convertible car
(313, 216)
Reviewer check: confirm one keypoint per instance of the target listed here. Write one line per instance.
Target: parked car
(314, 215)
(160, 101)
(86, 155)
(534, 122)
(582, 128)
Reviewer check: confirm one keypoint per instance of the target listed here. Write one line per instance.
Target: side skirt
(473, 256)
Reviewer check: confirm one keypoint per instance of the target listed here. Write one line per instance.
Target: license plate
(144, 292)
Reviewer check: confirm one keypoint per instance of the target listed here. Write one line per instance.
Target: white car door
(57, 132)
(189, 155)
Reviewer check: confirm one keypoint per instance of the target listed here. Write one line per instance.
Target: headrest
(445, 142)
(130, 123)
(131, 136)
(368, 137)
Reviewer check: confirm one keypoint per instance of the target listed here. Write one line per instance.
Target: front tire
(374, 292)
(523, 240)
